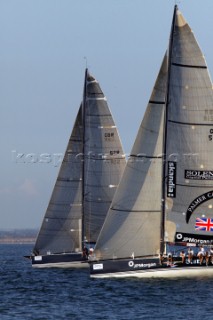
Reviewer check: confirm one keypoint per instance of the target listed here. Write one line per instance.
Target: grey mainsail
(104, 159)
(135, 214)
(90, 172)
(189, 145)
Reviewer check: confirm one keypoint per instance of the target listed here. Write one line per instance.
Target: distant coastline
(18, 236)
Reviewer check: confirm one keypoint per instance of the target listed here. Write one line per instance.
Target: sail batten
(190, 124)
(188, 66)
(145, 156)
(156, 102)
(128, 210)
(194, 186)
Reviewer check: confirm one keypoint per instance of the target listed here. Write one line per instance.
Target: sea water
(46, 294)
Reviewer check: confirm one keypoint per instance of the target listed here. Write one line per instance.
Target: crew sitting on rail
(169, 258)
(201, 254)
(183, 256)
(161, 258)
(207, 258)
(211, 255)
(190, 255)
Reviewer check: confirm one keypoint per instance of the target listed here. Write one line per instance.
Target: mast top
(86, 73)
(179, 19)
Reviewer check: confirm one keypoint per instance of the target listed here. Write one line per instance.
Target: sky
(45, 47)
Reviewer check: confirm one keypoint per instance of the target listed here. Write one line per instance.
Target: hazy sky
(43, 45)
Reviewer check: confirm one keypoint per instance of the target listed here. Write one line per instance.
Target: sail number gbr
(210, 135)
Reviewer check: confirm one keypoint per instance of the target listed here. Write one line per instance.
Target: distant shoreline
(17, 241)
(18, 236)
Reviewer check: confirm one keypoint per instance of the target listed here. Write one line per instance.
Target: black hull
(148, 268)
(65, 260)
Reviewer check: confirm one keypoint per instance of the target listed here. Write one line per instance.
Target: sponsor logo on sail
(198, 175)
(179, 236)
(171, 182)
(193, 240)
(197, 202)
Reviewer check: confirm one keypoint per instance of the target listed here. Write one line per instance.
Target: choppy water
(27, 293)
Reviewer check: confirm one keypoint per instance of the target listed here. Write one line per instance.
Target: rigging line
(191, 123)
(83, 152)
(167, 95)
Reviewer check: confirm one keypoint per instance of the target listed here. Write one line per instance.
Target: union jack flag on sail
(204, 224)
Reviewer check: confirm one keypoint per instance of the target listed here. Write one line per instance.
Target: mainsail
(104, 159)
(90, 172)
(189, 144)
(132, 226)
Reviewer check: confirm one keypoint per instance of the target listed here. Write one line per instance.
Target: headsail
(135, 214)
(61, 227)
(189, 144)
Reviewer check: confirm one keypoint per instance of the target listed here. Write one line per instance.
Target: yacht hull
(147, 269)
(65, 260)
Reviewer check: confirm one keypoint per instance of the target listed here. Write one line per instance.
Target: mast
(163, 205)
(83, 151)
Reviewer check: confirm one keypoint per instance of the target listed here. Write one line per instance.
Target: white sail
(189, 144)
(132, 226)
(89, 175)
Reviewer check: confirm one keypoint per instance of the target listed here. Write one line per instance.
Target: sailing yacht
(88, 177)
(164, 203)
